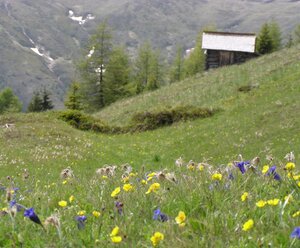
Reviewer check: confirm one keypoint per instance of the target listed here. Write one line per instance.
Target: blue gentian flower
(29, 213)
(272, 171)
(158, 215)
(241, 166)
(81, 221)
(14, 203)
(296, 233)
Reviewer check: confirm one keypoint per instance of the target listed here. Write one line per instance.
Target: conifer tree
(36, 103)
(195, 63)
(92, 68)
(142, 67)
(264, 40)
(176, 73)
(46, 101)
(275, 35)
(9, 103)
(73, 100)
(117, 75)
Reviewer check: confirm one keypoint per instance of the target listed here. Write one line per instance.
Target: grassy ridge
(261, 122)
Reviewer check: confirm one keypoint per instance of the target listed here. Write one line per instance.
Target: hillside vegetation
(200, 205)
(48, 28)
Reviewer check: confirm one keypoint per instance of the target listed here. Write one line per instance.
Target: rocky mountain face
(41, 40)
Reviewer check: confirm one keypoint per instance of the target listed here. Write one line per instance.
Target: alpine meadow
(139, 145)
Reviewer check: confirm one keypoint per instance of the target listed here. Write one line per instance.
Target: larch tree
(92, 68)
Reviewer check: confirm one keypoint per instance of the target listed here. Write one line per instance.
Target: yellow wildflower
(144, 181)
(151, 174)
(180, 219)
(216, 177)
(201, 167)
(133, 174)
(96, 214)
(4, 209)
(62, 203)
(298, 184)
(64, 182)
(127, 187)
(125, 179)
(261, 203)
(296, 214)
(81, 212)
(114, 235)
(265, 169)
(290, 166)
(248, 225)
(296, 177)
(273, 202)
(191, 167)
(116, 192)
(244, 196)
(156, 238)
(104, 177)
(71, 198)
(153, 188)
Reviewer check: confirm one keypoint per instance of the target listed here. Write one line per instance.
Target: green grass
(261, 122)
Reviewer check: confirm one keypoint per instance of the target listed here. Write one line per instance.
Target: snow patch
(80, 19)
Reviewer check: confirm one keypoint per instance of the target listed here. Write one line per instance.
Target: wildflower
(180, 219)
(104, 177)
(244, 196)
(241, 166)
(29, 213)
(114, 235)
(153, 188)
(52, 220)
(265, 169)
(248, 225)
(64, 182)
(298, 184)
(158, 215)
(127, 187)
(71, 198)
(81, 213)
(157, 238)
(261, 203)
(81, 221)
(131, 174)
(125, 179)
(272, 171)
(119, 206)
(143, 181)
(296, 233)
(216, 177)
(296, 177)
(290, 166)
(116, 192)
(273, 202)
(62, 203)
(201, 167)
(96, 214)
(296, 214)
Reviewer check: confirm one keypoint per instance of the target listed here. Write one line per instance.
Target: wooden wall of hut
(216, 58)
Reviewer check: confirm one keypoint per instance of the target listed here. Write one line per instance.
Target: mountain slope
(41, 40)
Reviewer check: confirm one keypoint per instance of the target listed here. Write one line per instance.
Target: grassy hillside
(164, 23)
(261, 122)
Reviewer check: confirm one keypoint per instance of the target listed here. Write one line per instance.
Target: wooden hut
(227, 48)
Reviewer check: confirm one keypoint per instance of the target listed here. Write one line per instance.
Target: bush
(153, 120)
(82, 121)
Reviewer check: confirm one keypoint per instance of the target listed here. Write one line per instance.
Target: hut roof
(240, 42)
